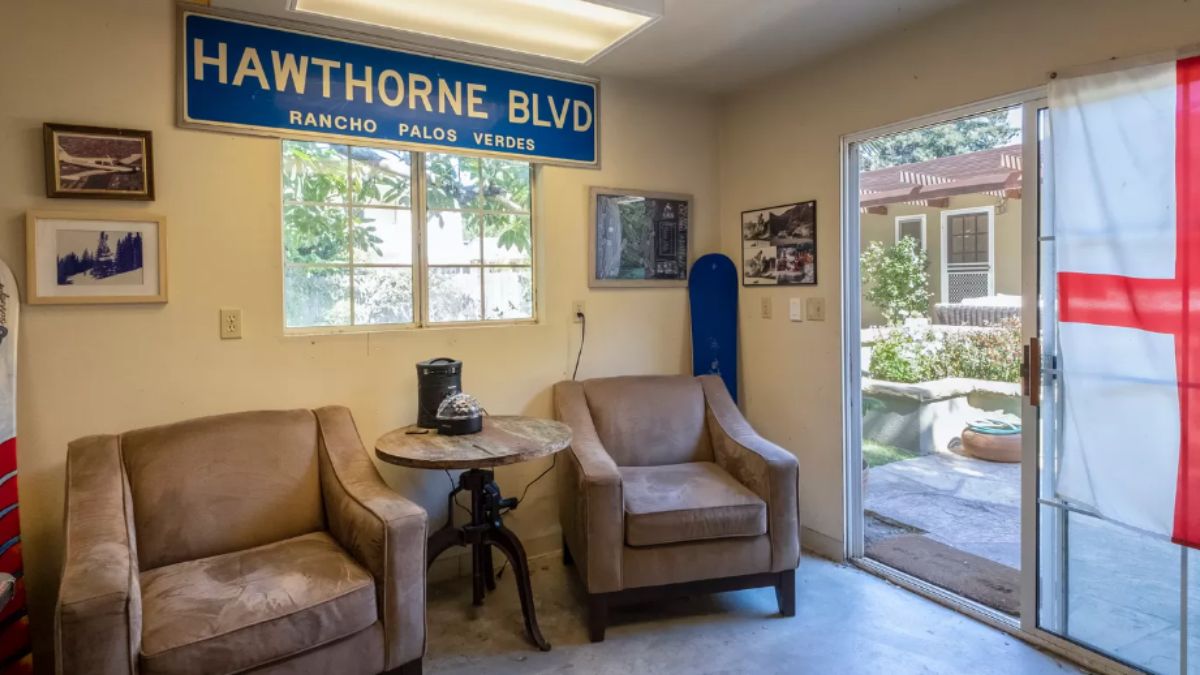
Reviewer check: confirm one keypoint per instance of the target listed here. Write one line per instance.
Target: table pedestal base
(487, 529)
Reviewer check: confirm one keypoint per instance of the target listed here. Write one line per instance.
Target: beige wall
(98, 369)
(1007, 222)
(779, 143)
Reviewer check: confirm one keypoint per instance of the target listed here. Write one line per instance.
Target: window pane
(505, 185)
(452, 238)
(315, 234)
(507, 239)
(316, 296)
(452, 182)
(454, 294)
(314, 172)
(1123, 593)
(508, 292)
(383, 295)
(383, 236)
(381, 176)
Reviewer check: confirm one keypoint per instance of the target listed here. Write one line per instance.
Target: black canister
(436, 379)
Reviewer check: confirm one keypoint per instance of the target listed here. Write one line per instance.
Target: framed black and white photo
(779, 245)
(639, 238)
(98, 162)
(82, 258)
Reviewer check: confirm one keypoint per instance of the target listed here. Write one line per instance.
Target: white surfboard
(14, 618)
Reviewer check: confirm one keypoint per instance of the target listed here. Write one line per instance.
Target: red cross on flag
(1123, 198)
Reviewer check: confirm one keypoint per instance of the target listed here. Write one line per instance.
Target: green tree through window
(351, 229)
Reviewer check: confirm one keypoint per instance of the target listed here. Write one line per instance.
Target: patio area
(955, 521)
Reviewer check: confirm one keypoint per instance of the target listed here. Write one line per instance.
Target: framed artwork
(779, 245)
(95, 258)
(98, 163)
(638, 238)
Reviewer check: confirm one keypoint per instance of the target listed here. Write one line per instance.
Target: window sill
(322, 331)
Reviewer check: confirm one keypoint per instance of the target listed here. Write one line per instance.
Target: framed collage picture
(779, 245)
(95, 258)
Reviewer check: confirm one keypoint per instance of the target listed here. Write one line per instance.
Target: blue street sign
(240, 74)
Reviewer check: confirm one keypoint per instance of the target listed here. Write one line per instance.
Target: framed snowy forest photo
(83, 258)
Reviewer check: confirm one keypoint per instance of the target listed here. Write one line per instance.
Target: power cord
(582, 339)
(521, 500)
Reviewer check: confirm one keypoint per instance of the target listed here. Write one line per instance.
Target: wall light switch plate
(795, 310)
(816, 309)
(766, 307)
(231, 324)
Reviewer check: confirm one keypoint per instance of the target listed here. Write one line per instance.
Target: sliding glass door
(1104, 592)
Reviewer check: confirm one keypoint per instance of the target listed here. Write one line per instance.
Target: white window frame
(945, 253)
(911, 217)
(419, 265)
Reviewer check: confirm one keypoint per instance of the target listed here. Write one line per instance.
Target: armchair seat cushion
(234, 611)
(688, 502)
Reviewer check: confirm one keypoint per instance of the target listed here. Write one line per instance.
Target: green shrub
(896, 279)
(920, 355)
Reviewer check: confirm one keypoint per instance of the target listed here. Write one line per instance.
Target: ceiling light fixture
(570, 30)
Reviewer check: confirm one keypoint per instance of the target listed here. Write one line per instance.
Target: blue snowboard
(713, 289)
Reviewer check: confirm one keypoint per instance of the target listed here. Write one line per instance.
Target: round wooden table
(504, 440)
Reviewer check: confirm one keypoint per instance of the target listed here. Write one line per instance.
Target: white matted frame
(42, 242)
(593, 282)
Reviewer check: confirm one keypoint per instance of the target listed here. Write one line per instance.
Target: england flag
(1123, 184)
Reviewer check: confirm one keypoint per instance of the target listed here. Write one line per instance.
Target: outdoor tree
(896, 279)
(972, 134)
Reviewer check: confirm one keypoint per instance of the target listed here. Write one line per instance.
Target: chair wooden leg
(597, 616)
(785, 592)
(411, 668)
(566, 553)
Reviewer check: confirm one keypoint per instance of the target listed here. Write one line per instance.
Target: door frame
(1026, 628)
(944, 256)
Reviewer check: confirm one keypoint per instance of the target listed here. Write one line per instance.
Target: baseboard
(822, 545)
(455, 563)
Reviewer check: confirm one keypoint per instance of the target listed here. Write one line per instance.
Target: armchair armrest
(98, 617)
(768, 470)
(382, 530)
(591, 503)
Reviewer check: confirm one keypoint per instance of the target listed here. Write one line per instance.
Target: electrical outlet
(577, 308)
(766, 307)
(795, 310)
(231, 324)
(816, 309)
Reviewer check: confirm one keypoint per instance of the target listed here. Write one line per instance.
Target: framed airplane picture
(98, 162)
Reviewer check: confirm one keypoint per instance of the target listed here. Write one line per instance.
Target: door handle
(1031, 371)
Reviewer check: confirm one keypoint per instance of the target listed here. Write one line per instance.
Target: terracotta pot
(992, 447)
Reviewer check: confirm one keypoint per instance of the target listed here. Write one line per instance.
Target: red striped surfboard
(15, 656)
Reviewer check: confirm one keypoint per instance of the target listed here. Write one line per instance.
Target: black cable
(452, 488)
(582, 338)
(521, 500)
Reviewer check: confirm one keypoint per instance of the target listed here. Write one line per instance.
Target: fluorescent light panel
(570, 30)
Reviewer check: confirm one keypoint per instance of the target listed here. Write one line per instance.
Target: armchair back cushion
(650, 420)
(221, 484)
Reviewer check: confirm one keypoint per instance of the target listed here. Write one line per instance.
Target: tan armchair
(667, 490)
(261, 542)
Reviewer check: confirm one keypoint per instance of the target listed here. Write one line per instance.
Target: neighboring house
(969, 204)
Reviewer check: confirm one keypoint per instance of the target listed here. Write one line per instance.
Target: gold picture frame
(95, 257)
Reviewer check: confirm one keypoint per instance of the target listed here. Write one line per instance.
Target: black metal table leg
(485, 530)
(506, 541)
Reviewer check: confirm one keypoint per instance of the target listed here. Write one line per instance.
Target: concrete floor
(847, 621)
